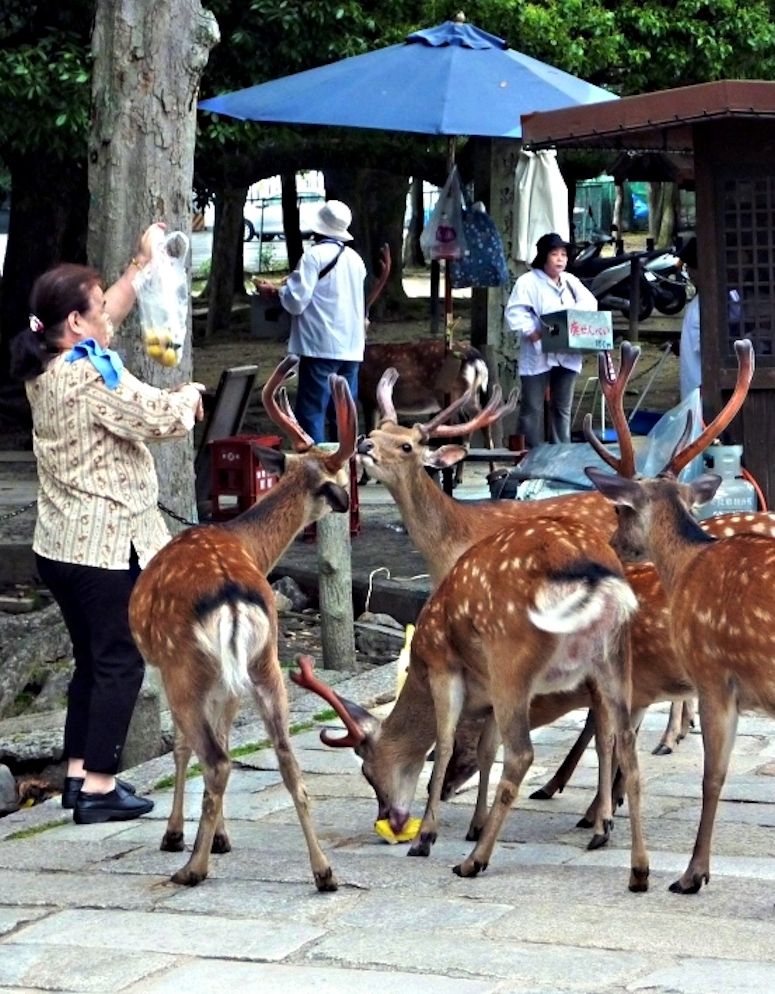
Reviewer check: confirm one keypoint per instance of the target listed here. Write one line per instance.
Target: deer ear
(272, 460)
(444, 456)
(336, 496)
(615, 488)
(704, 488)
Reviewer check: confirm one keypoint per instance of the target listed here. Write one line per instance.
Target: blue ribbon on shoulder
(107, 362)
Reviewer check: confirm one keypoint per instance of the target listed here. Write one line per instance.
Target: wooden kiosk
(727, 129)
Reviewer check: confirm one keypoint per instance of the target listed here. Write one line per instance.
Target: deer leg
(272, 703)
(617, 787)
(604, 743)
(628, 761)
(718, 721)
(215, 770)
(172, 840)
(681, 717)
(448, 698)
(486, 750)
(221, 842)
(513, 722)
(557, 783)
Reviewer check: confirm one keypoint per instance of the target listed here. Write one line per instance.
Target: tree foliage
(679, 42)
(44, 76)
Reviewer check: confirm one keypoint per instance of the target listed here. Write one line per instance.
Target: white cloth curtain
(540, 202)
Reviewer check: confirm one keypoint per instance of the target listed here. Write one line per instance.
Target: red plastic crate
(237, 478)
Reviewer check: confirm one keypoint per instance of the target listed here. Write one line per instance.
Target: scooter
(669, 282)
(608, 278)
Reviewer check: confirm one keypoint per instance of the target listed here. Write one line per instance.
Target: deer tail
(232, 629)
(582, 596)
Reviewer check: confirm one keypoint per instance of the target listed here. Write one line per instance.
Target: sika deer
(203, 613)
(442, 529)
(722, 618)
(527, 610)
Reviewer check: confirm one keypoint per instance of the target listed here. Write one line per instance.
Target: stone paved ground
(91, 908)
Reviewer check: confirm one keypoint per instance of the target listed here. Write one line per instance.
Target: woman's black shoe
(73, 786)
(116, 805)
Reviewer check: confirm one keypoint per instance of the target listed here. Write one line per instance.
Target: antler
(613, 386)
(385, 404)
(307, 679)
(346, 422)
(681, 456)
(385, 265)
(282, 415)
(494, 410)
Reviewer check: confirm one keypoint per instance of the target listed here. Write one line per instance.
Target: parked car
(265, 217)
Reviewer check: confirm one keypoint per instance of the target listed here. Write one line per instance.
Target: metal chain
(19, 510)
(26, 507)
(173, 514)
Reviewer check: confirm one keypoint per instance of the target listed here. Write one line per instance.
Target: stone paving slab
(38, 967)
(207, 976)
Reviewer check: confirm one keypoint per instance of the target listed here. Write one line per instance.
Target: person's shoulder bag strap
(330, 265)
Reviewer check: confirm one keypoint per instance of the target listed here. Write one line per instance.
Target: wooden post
(335, 590)
(434, 291)
(635, 298)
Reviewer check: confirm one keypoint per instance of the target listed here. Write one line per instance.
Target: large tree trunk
(148, 60)
(227, 256)
(290, 202)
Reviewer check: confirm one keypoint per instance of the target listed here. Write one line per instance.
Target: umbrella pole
(447, 263)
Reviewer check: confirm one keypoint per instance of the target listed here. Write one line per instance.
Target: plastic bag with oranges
(162, 298)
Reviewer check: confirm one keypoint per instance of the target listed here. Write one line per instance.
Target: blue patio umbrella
(452, 79)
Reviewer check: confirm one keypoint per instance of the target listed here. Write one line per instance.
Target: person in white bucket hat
(325, 297)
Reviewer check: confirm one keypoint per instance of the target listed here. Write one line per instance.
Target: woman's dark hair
(55, 294)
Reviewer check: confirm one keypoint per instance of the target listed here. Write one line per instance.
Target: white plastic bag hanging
(443, 236)
(162, 297)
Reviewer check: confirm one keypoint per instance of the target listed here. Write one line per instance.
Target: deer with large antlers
(443, 529)
(722, 616)
(204, 614)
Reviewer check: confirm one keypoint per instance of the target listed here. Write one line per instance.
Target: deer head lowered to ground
(722, 615)
(529, 610)
(442, 529)
(203, 613)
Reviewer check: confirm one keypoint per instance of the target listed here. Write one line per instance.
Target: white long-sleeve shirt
(328, 314)
(534, 294)
(690, 365)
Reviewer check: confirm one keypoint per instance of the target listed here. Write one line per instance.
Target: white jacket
(535, 294)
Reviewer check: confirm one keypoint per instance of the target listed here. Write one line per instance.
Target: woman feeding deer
(98, 523)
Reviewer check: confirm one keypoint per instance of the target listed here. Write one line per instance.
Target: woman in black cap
(545, 288)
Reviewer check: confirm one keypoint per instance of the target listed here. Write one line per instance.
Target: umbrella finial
(460, 17)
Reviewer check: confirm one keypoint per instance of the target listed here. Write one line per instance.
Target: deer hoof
(187, 877)
(326, 881)
(172, 842)
(542, 794)
(585, 823)
(422, 846)
(471, 868)
(221, 843)
(639, 880)
(662, 750)
(689, 884)
(473, 833)
(598, 840)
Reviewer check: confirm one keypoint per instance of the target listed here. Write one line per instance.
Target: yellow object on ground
(383, 829)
